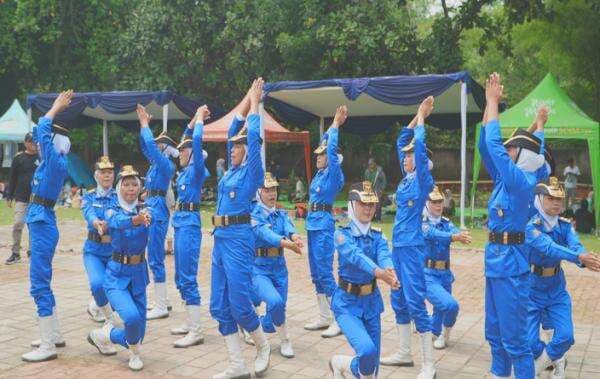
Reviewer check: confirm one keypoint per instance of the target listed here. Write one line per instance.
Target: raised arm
(333, 161)
(254, 159)
(485, 155)
(421, 160)
(404, 138)
(199, 172)
(234, 128)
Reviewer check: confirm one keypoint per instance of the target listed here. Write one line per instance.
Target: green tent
(565, 121)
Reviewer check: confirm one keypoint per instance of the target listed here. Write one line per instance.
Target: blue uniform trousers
(506, 330)
(156, 249)
(43, 238)
(231, 283)
(409, 301)
(320, 260)
(95, 267)
(445, 306)
(364, 335)
(187, 255)
(272, 288)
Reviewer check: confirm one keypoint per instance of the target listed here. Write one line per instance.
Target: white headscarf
(170, 152)
(427, 213)
(549, 221)
(99, 189)
(270, 210)
(529, 161)
(129, 207)
(362, 227)
(62, 144)
(204, 155)
(410, 175)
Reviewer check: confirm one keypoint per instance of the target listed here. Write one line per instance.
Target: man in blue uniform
(409, 246)
(439, 232)
(126, 275)
(53, 146)
(158, 152)
(364, 256)
(552, 239)
(274, 231)
(320, 224)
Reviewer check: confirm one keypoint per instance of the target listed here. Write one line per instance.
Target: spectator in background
(584, 219)
(590, 201)
(220, 169)
(570, 174)
(448, 204)
(300, 193)
(376, 176)
(19, 190)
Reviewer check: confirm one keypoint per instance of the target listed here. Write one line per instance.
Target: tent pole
(321, 127)
(263, 151)
(463, 151)
(29, 119)
(104, 138)
(165, 117)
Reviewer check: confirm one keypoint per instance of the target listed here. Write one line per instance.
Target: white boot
(108, 314)
(94, 311)
(263, 352)
(237, 367)
(333, 330)
(428, 368)
(441, 341)
(324, 315)
(340, 366)
(194, 336)
(57, 337)
(100, 338)
(559, 368)
(47, 350)
(403, 356)
(542, 362)
(285, 349)
(160, 309)
(135, 361)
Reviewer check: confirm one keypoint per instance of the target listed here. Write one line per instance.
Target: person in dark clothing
(19, 190)
(584, 219)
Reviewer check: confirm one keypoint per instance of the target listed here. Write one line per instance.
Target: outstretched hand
(202, 113)
(388, 276)
(494, 90)
(341, 114)
(62, 101)
(255, 93)
(291, 245)
(297, 240)
(143, 116)
(463, 237)
(591, 261)
(542, 117)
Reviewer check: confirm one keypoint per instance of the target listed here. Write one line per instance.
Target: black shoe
(14, 258)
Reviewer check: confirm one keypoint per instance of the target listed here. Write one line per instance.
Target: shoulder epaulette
(564, 219)
(378, 230)
(445, 218)
(537, 221)
(93, 190)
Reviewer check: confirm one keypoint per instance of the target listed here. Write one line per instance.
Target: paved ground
(467, 356)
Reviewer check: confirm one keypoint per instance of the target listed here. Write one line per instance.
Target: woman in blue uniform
(320, 224)
(552, 239)
(158, 152)
(409, 246)
(364, 256)
(187, 225)
(273, 231)
(439, 232)
(233, 251)
(126, 275)
(53, 146)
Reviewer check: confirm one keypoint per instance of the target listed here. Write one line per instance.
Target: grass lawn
(591, 242)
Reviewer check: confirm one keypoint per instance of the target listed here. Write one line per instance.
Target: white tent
(13, 128)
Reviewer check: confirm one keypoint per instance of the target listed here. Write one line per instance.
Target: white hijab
(549, 221)
(270, 210)
(411, 175)
(427, 213)
(204, 154)
(529, 161)
(362, 227)
(100, 191)
(170, 152)
(62, 144)
(129, 207)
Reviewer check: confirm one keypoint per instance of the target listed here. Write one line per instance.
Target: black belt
(95, 237)
(507, 238)
(320, 207)
(545, 271)
(35, 199)
(357, 289)
(160, 193)
(190, 207)
(128, 259)
(437, 265)
(269, 252)
(230, 220)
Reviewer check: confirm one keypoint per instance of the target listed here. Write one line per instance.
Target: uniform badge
(318, 189)
(231, 194)
(500, 212)
(536, 233)
(410, 203)
(183, 187)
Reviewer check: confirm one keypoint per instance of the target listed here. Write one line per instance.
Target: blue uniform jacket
(190, 180)
(548, 248)
(359, 256)
(158, 177)
(438, 238)
(94, 208)
(412, 191)
(269, 230)
(50, 175)
(325, 185)
(237, 188)
(508, 206)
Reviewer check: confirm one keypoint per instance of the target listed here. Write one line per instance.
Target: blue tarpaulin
(78, 172)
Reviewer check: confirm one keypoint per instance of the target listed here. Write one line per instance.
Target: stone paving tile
(466, 357)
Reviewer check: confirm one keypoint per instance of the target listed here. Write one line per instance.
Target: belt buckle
(505, 238)
(105, 239)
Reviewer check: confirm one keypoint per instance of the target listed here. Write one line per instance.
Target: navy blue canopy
(376, 104)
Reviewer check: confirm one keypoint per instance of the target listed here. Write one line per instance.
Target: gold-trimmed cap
(58, 129)
(322, 149)
(127, 171)
(410, 148)
(550, 187)
(104, 163)
(270, 181)
(523, 138)
(185, 143)
(241, 137)
(436, 194)
(166, 139)
(363, 192)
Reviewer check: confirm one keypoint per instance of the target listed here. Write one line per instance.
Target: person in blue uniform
(53, 146)
(408, 243)
(320, 223)
(552, 239)
(273, 231)
(512, 167)
(126, 275)
(187, 225)
(364, 256)
(233, 251)
(158, 152)
(439, 232)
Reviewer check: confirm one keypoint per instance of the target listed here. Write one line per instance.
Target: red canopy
(217, 132)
